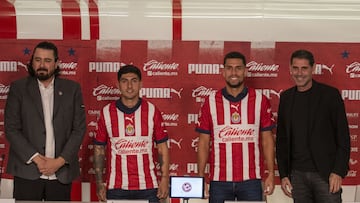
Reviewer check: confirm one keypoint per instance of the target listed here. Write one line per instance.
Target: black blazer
(25, 127)
(329, 139)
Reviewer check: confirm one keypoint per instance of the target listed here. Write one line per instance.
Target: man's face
(301, 72)
(234, 72)
(44, 64)
(129, 86)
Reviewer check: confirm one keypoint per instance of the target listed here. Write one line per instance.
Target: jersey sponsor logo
(233, 134)
(68, 68)
(159, 68)
(350, 95)
(131, 146)
(204, 69)
(256, 69)
(319, 69)
(160, 92)
(105, 67)
(201, 92)
(353, 70)
(4, 90)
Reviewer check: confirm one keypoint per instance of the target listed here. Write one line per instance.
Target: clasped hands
(48, 166)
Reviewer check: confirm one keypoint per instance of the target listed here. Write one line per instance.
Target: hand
(51, 165)
(269, 185)
(334, 183)
(163, 190)
(101, 191)
(40, 161)
(206, 191)
(286, 186)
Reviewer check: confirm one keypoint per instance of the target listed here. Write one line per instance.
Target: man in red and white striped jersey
(235, 131)
(129, 128)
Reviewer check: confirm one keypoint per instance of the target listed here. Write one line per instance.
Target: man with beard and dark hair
(45, 125)
(235, 133)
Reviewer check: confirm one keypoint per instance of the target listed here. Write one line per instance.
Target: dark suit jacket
(25, 127)
(329, 139)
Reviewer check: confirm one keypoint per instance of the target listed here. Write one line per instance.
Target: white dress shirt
(47, 98)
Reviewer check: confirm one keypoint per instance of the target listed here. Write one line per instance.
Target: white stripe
(228, 149)
(85, 20)
(257, 122)
(124, 167)
(6, 188)
(85, 192)
(108, 124)
(212, 105)
(151, 114)
(151, 20)
(139, 157)
(245, 146)
(44, 22)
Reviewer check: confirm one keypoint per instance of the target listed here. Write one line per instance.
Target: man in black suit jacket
(312, 141)
(45, 125)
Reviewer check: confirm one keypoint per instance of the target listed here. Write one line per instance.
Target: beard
(237, 85)
(42, 74)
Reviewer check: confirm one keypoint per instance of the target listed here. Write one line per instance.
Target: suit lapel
(289, 110)
(58, 95)
(34, 92)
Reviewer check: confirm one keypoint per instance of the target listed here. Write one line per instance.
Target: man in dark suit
(45, 125)
(312, 141)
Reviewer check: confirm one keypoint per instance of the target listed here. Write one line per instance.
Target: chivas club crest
(235, 117)
(130, 129)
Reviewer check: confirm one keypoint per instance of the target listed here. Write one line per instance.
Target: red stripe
(94, 20)
(219, 108)
(71, 19)
(93, 195)
(238, 161)
(177, 20)
(76, 191)
(251, 106)
(7, 20)
(222, 161)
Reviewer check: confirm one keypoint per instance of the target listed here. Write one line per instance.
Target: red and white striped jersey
(130, 135)
(234, 125)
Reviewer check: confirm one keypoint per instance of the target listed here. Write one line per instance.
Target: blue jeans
(249, 190)
(311, 188)
(149, 194)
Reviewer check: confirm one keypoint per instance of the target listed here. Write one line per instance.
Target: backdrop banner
(177, 76)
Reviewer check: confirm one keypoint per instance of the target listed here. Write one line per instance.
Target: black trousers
(41, 189)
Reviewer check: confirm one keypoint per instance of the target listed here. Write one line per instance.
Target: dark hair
(129, 69)
(48, 46)
(236, 55)
(303, 54)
